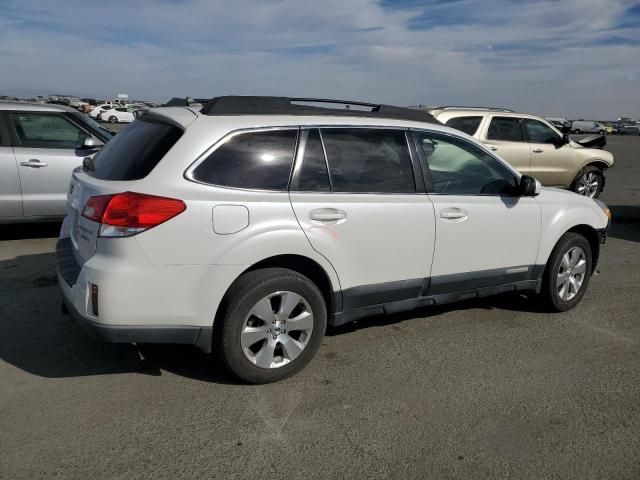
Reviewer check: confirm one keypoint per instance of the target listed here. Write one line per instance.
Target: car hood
(593, 154)
(592, 141)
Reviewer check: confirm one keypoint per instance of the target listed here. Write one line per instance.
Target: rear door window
(253, 160)
(135, 151)
(506, 129)
(368, 160)
(468, 125)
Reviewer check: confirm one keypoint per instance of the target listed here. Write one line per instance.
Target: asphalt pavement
(491, 388)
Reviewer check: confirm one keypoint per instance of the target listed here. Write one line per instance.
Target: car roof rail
(463, 107)
(262, 105)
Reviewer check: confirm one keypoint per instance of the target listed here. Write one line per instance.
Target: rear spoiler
(593, 141)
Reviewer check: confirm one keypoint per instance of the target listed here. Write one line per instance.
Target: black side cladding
(260, 105)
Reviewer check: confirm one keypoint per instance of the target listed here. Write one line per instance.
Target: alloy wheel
(277, 329)
(588, 184)
(571, 273)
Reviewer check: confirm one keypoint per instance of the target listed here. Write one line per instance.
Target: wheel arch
(591, 162)
(591, 235)
(587, 231)
(301, 264)
(597, 163)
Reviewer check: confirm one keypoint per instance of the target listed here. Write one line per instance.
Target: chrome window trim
(188, 174)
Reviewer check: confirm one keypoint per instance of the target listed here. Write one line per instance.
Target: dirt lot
(484, 389)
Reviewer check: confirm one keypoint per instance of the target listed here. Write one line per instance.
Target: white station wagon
(247, 226)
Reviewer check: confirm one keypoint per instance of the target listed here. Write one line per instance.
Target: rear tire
(272, 325)
(567, 274)
(577, 131)
(589, 182)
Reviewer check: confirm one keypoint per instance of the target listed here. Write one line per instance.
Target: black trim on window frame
(427, 172)
(5, 139)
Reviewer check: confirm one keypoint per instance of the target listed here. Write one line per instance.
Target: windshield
(101, 132)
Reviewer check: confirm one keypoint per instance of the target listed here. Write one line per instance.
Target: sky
(564, 58)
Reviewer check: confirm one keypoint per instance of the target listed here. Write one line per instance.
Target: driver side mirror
(91, 143)
(529, 186)
(562, 141)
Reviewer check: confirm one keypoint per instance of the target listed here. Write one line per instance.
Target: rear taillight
(128, 213)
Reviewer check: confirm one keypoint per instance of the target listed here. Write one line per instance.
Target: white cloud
(540, 56)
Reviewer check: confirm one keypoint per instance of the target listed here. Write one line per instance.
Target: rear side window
(367, 160)
(505, 128)
(468, 125)
(253, 160)
(135, 151)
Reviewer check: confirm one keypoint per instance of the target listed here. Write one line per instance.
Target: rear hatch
(117, 168)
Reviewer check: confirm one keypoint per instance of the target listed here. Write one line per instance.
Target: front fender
(562, 211)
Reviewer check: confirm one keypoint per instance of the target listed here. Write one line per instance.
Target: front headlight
(604, 208)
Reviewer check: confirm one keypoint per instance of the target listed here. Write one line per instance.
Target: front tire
(568, 272)
(113, 119)
(272, 325)
(589, 182)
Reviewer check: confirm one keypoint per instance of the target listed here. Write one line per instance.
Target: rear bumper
(124, 321)
(198, 336)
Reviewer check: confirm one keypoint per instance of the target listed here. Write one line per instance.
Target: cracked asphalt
(492, 388)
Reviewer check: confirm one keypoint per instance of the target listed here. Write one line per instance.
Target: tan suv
(533, 146)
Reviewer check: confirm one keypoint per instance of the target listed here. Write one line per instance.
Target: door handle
(537, 150)
(454, 213)
(493, 148)
(327, 215)
(34, 162)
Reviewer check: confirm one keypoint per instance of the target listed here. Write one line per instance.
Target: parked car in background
(533, 146)
(40, 146)
(611, 129)
(117, 115)
(584, 126)
(99, 109)
(562, 124)
(252, 246)
(629, 130)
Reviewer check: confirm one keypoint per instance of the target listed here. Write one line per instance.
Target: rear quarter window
(468, 125)
(135, 151)
(258, 160)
